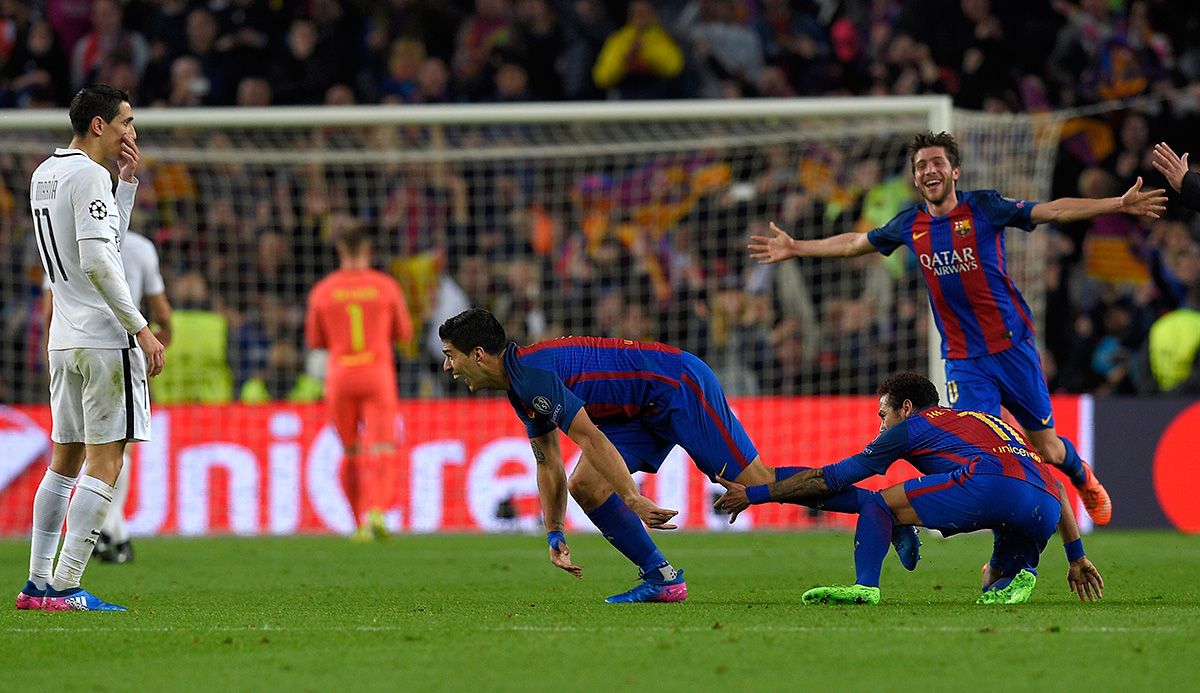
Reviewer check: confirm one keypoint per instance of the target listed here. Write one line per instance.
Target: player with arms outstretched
(358, 314)
(980, 473)
(101, 349)
(985, 324)
(626, 404)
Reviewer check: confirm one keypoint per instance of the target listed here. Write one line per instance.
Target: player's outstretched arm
(552, 489)
(1083, 577)
(780, 246)
(601, 453)
(1135, 202)
(1175, 169)
(805, 487)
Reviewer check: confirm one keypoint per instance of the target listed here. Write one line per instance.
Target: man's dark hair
(95, 100)
(353, 237)
(927, 139)
(910, 386)
(474, 328)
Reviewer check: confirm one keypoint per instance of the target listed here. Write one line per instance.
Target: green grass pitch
(483, 613)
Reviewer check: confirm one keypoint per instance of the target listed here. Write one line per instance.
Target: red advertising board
(273, 469)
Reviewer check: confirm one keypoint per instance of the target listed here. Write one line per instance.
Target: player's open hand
(773, 248)
(560, 555)
(1144, 203)
(654, 516)
(153, 349)
(1171, 165)
(1083, 577)
(734, 501)
(129, 159)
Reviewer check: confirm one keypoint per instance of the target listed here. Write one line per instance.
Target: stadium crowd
(584, 262)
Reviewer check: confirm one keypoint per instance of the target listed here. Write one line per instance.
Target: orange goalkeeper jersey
(358, 316)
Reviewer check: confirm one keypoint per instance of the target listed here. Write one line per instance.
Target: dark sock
(625, 531)
(872, 538)
(1072, 464)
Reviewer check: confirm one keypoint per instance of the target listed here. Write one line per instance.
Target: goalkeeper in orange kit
(358, 314)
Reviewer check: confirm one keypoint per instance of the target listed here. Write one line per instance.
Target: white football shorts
(99, 396)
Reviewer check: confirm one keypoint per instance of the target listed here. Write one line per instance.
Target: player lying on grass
(626, 404)
(980, 473)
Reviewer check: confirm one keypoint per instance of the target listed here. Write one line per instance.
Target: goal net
(623, 220)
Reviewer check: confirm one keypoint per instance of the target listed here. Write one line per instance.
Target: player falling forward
(358, 314)
(985, 324)
(140, 261)
(980, 474)
(626, 404)
(99, 394)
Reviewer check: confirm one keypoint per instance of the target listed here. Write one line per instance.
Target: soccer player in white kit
(101, 349)
(140, 260)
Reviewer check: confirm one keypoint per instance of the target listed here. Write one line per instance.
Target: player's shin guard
(625, 531)
(872, 537)
(86, 513)
(352, 483)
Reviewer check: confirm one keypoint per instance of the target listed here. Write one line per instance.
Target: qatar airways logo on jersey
(950, 261)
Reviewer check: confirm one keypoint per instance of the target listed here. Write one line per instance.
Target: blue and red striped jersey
(976, 306)
(612, 379)
(939, 441)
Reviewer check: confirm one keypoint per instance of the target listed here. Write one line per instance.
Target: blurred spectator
(282, 379)
(640, 60)
(299, 73)
(199, 348)
(488, 28)
(585, 26)
(37, 68)
(405, 58)
(729, 53)
(1171, 354)
(107, 40)
(201, 31)
(254, 92)
(71, 19)
(537, 45)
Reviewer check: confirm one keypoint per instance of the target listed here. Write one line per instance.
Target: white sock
(114, 524)
(49, 509)
(88, 509)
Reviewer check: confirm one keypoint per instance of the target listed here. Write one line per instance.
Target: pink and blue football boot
(653, 590)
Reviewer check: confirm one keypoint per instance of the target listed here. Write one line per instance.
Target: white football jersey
(71, 199)
(140, 260)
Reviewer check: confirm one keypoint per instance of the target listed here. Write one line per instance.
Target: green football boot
(842, 594)
(1015, 592)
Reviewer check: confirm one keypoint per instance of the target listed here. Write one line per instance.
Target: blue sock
(846, 501)
(872, 538)
(1072, 464)
(625, 531)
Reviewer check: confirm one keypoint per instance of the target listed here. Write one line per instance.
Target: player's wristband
(758, 494)
(553, 538)
(1074, 550)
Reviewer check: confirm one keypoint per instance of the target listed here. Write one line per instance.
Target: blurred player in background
(626, 404)
(101, 349)
(140, 261)
(358, 314)
(979, 474)
(985, 324)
